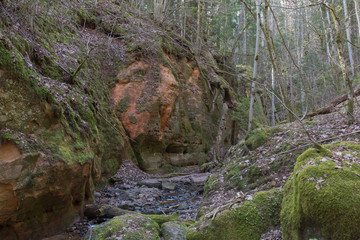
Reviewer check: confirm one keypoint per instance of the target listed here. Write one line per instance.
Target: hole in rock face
(176, 148)
(49, 210)
(76, 203)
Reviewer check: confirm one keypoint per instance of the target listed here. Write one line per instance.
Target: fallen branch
(333, 104)
(321, 141)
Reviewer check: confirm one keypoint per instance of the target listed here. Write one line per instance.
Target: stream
(133, 190)
(157, 195)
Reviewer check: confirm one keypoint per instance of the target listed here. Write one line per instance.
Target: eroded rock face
(45, 178)
(166, 109)
(20, 109)
(38, 198)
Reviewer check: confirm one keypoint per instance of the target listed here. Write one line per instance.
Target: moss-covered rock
(174, 231)
(255, 139)
(160, 219)
(246, 221)
(322, 196)
(126, 227)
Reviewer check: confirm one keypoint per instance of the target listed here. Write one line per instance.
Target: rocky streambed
(164, 195)
(132, 190)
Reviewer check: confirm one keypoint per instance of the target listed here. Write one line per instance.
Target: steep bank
(83, 87)
(275, 185)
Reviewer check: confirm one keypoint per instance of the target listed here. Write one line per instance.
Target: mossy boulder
(247, 221)
(174, 231)
(255, 139)
(322, 196)
(126, 227)
(160, 219)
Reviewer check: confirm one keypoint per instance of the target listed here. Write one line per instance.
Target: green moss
(160, 219)
(67, 150)
(254, 173)
(245, 181)
(12, 61)
(122, 105)
(235, 177)
(50, 68)
(321, 198)
(128, 226)
(211, 184)
(274, 130)
(171, 47)
(310, 154)
(255, 139)
(245, 222)
(185, 125)
(353, 146)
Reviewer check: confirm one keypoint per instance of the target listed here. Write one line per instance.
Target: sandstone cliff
(83, 87)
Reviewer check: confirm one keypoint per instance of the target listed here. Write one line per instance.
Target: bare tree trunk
(181, 19)
(348, 82)
(159, 9)
(331, 36)
(235, 47)
(245, 33)
(272, 28)
(357, 17)
(299, 54)
(262, 33)
(328, 54)
(198, 24)
(272, 97)
(256, 58)
(348, 36)
(219, 137)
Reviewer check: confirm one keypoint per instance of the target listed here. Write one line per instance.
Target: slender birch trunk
(256, 58)
(348, 37)
(357, 17)
(272, 97)
(245, 33)
(198, 24)
(326, 37)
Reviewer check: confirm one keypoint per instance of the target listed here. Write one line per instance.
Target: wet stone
(168, 185)
(151, 183)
